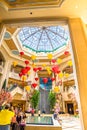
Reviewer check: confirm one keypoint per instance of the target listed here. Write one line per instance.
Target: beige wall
(79, 44)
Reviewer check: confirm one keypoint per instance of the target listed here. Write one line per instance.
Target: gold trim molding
(26, 4)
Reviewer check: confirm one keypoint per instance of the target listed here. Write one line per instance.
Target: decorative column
(6, 72)
(79, 46)
(2, 32)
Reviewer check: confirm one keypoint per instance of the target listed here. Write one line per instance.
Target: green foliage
(35, 99)
(52, 99)
(4, 84)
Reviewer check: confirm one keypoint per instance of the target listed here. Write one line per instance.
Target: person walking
(14, 122)
(18, 119)
(5, 118)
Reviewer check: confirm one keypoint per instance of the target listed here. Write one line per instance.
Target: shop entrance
(69, 107)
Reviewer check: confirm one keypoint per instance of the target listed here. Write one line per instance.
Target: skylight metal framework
(43, 39)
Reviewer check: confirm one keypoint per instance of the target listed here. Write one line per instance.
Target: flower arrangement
(5, 97)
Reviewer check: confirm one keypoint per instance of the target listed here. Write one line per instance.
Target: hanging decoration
(44, 65)
(56, 89)
(50, 56)
(49, 72)
(36, 79)
(28, 73)
(55, 68)
(21, 53)
(20, 74)
(34, 85)
(45, 80)
(33, 65)
(69, 63)
(53, 79)
(60, 75)
(48, 68)
(15, 63)
(27, 88)
(27, 68)
(26, 62)
(53, 60)
(33, 57)
(35, 69)
(59, 60)
(66, 53)
(39, 68)
(24, 71)
(66, 75)
(24, 78)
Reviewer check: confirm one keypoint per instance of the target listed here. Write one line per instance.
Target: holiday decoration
(26, 62)
(15, 63)
(33, 65)
(34, 85)
(52, 79)
(66, 75)
(36, 79)
(59, 60)
(27, 88)
(45, 80)
(60, 75)
(70, 63)
(21, 53)
(49, 72)
(39, 68)
(66, 53)
(20, 74)
(44, 65)
(50, 56)
(55, 68)
(24, 71)
(24, 78)
(56, 89)
(53, 60)
(35, 69)
(27, 68)
(33, 57)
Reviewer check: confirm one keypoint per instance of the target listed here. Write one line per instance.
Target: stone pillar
(2, 32)
(79, 46)
(6, 72)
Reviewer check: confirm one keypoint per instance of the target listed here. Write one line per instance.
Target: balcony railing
(71, 77)
(14, 75)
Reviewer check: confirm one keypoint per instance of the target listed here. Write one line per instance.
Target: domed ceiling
(43, 39)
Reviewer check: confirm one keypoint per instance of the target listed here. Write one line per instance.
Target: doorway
(70, 108)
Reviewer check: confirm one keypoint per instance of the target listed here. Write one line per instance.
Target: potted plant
(52, 100)
(35, 99)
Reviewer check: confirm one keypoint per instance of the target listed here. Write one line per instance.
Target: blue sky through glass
(46, 86)
(43, 39)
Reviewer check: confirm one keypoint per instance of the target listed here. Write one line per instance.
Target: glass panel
(43, 39)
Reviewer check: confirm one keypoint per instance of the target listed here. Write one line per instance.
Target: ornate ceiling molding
(26, 4)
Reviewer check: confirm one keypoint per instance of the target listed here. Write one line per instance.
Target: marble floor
(71, 123)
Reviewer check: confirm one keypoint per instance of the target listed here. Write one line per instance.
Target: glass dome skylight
(43, 39)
